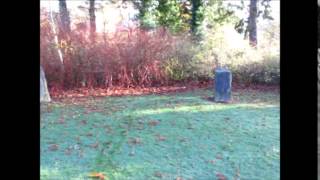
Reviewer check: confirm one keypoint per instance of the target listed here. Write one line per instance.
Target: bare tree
(252, 23)
(65, 19)
(92, 20)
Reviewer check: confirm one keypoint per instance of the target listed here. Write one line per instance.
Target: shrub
(137, 57)
(265, 72)
(248, 65)
(134, 57)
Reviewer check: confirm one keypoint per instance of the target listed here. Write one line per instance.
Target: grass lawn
(175, 136)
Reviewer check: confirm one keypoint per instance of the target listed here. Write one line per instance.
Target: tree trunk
(196, 17)
(44, 93)
(252, 24)
(65, 19)
(318, 24)
(92, 20)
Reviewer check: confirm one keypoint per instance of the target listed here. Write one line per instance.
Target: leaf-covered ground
(175, 136)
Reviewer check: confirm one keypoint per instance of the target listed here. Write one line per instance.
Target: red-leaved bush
(127, 58)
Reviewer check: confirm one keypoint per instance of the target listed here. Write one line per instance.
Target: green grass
(200, 139)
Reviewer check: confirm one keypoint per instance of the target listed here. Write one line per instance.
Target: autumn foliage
(126, 58)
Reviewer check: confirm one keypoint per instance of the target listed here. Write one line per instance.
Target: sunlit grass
(193, 138)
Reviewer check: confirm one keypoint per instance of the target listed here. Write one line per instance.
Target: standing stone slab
(223, 79)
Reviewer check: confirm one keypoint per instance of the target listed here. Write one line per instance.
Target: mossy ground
(163, 137)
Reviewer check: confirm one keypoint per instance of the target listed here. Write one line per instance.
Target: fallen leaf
(53, 147)
(211, 161)
(219, 156)
(83, 122)
(220, 176)
(158, 174)
(140, 127)
(237, 176)
(61, 121)
(97, 175)
(135, 141)
(108, 129)
(95, 145)
(153, 122)
(68, 151)
(89, 134)
(161, 138)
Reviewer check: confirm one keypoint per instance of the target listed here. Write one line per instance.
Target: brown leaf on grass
(140, 127)
(100, 176)
(89, 134)
(61, 121)
(95, 145)
(135, 141)
(220, 176)
(153, 122)
(160, 138)
(211, 161)
(124, 126)
(108, 129)
(68, 151)
(53, 147)
(158, 174)
(83, 122)
(219, 156)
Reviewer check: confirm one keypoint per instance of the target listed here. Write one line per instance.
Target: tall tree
(169, 14)
(252, 23)
(318, 23)
(92, 20)
(249, 26)
(173, 14)
(147, 13)
(197, 15)
(65, 19)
